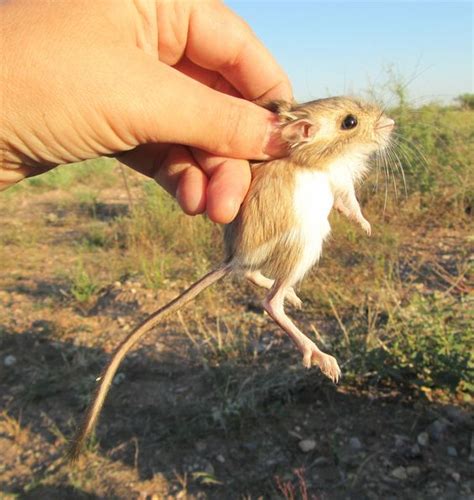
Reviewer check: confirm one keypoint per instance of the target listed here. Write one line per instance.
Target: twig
(127, 187)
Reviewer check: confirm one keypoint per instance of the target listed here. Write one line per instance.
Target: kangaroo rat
(283, 221)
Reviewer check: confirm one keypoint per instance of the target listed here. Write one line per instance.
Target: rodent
(283, 221)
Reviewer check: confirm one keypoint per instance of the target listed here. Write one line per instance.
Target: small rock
(9, 360)
(355, 444)
(454, 413)
(452, 452)
(250, 446)
(220, 459)
(117, 284)
(423, 439)
(297, 428)
(438, 428)
(200, 446)
(456, 476)
(52, 218)
(320, 461)
(307, 445)
(133, 291)
(399, 473)
(208, 467)
(119, 378)
(413, 470)
(415, 450)
(349, 459)
(400, 441)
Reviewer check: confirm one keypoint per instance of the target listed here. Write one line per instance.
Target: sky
(347, 47)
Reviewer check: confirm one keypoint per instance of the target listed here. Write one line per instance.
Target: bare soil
(185, 420)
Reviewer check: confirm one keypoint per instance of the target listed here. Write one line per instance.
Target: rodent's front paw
(366, 226)
(293, 299)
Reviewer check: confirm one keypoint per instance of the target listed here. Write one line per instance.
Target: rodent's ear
(299, 131)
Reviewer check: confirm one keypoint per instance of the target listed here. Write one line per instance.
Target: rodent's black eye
(350, 121)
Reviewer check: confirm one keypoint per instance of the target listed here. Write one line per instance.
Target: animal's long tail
(105, 380)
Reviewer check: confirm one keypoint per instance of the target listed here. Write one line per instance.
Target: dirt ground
(188, 416)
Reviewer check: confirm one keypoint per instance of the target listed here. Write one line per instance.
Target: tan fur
(259, 237)
(319, 154)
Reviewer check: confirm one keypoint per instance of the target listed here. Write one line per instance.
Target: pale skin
(164, 86)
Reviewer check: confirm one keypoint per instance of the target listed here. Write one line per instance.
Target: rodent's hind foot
(327, 363)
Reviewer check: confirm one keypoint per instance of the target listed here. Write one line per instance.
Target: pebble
(452, 452)
(52, 218)
(307, 445)
(220, 459)
(399, 473)
(400, 441)
(423, 439)
(208, 467)
(454, 413)
(9, 360)
(456, 476)
(355, 444)
(320, 461)
(119, 378)
(438, 428)
(200, 446)
(415, 450)
(413, 470)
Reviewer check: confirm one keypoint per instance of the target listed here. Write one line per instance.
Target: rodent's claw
(366, 226)
(327, 363)
(293, 299)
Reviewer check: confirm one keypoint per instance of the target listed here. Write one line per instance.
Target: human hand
(156, 83)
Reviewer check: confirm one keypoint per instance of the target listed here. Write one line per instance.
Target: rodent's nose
(386, 123)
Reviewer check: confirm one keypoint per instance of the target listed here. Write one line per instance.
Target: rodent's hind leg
(312, 355)
(257, 278)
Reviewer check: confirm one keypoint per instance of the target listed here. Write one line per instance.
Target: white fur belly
(312, 202)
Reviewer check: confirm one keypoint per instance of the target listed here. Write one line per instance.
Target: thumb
(157, 103)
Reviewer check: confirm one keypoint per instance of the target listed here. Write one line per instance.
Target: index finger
(221, 41)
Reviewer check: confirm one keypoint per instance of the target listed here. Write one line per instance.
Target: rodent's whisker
(395, 161)
(413, 148)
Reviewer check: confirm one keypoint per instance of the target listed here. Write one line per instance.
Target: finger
(207, 77)
(220, 41)
(10, 176)
(157, 104)
(175, 169)
(229, 181)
